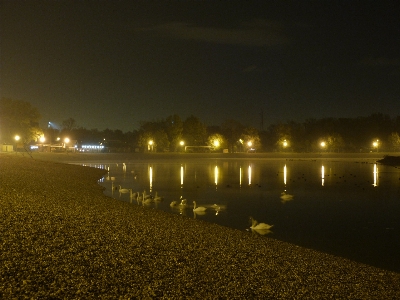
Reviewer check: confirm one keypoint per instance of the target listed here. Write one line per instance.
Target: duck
(259, 226)
(173, 203)
(198, 208)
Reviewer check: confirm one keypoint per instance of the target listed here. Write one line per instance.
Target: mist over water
(346, 208)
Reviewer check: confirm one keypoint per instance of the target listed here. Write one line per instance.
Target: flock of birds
(144, 198)
(181, 204)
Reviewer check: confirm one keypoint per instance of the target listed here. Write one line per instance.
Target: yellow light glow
(151, 179)
(240, 176)
(323, 144)
(249, 143)
(17, 137)
(323, 175)
(285, 143)
(181, 143)
(216, 143)
(216, 175)
(42, 139)
(284, 175)
(151, 142)
(375, 175)
(66, 140)
(249, 175)
(181, 175)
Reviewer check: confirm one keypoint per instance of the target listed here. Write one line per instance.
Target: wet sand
(60, 237)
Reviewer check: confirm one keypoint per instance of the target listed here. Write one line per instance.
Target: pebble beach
(62, 238)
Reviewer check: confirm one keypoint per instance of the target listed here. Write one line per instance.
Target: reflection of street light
(376, 145)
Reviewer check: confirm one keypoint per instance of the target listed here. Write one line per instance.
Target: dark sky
(111, 64)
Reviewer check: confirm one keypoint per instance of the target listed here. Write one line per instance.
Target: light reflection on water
(345, 208)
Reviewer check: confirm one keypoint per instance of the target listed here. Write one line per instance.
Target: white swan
(286, 197)
(173, 203)
(259, 226)
(218, 208)
(183, 202)
(147, 199)
(121, 190)
(113, 187)
(198, 209)
(157, 198)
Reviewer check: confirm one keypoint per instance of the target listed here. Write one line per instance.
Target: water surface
(346, 208)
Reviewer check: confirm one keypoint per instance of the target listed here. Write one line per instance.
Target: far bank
(70, 157)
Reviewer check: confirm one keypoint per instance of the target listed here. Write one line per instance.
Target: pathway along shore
(61, 238)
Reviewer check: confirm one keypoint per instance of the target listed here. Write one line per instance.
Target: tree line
(173, 133)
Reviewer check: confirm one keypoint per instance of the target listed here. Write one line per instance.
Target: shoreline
(104, 157)
(62, 238)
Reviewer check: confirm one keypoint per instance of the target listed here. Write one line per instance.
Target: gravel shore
(61, 238)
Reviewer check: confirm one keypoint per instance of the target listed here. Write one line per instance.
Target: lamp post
(150, 146)
(284, 144)
(241, 145)
(376, 145)
(323, 145)
(249, 144)
(216, 144)
(42, 140)
(17, 138)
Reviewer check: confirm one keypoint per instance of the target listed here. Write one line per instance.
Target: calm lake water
(346, 208)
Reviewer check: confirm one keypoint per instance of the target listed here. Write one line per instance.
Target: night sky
(111, 64)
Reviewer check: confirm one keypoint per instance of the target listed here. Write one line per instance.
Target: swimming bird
(259, 226)
(121, 190)
(173, 203)
(199, 208)
(146, 199)
(183, 202)
(157, 198)
(218, 208)
(286, 197)
(113, 187)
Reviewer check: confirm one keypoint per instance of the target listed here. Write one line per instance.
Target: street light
(17, 138)
(216, 143)
(323, 145)
(376, 145)
(42, 140)
(150, 145)
(182, 143)
(285, 144)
